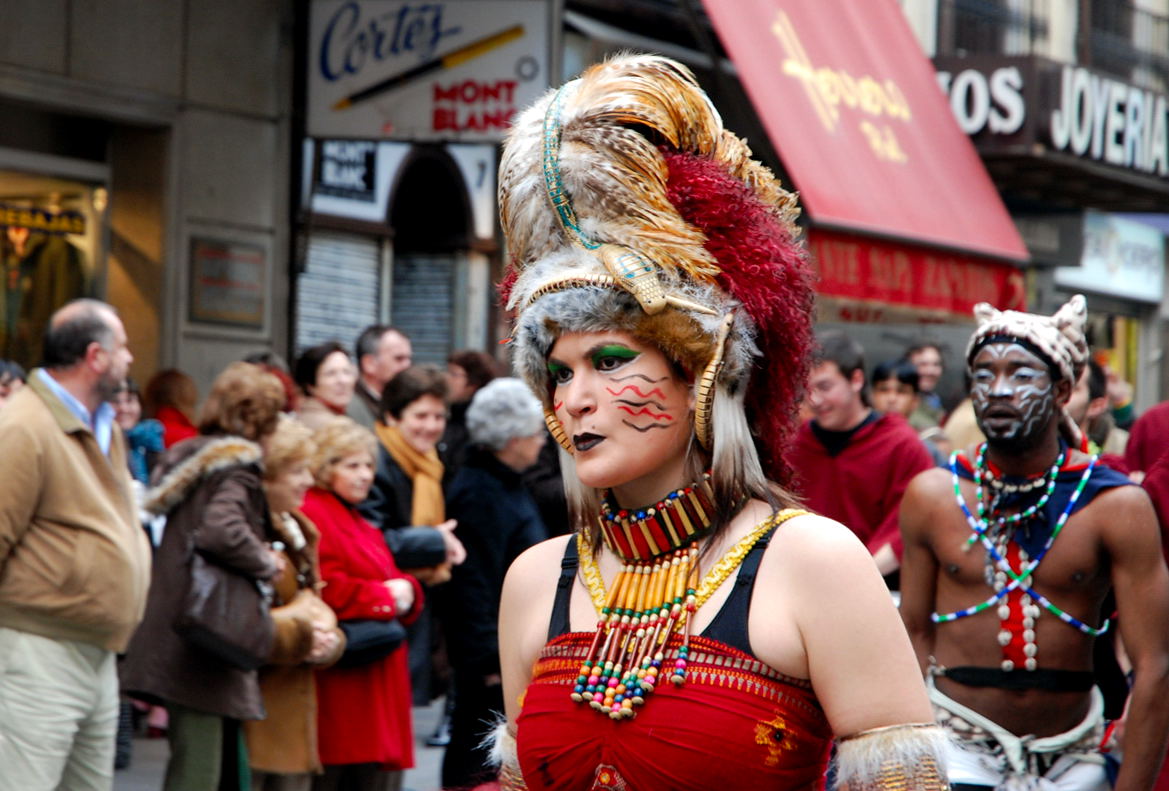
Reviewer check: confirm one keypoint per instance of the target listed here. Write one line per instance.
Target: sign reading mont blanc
(1068, 109)
(454, 70)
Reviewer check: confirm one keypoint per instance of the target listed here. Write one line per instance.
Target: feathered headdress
(626, 205)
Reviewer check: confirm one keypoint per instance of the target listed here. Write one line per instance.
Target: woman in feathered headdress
(663, 308)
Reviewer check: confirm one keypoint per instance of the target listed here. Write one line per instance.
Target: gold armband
(896, 758)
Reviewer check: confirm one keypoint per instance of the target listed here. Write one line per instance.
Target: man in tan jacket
(74, 562)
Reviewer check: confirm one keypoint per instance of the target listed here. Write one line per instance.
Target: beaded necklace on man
(654, 596)
(1009, 568)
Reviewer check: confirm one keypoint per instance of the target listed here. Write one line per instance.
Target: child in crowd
(895, 386)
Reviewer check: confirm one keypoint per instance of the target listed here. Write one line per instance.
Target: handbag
(226, 614)
(367, 641)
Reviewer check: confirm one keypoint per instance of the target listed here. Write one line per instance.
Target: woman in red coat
(363, 713)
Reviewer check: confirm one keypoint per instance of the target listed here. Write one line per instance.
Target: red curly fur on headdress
(766, 270)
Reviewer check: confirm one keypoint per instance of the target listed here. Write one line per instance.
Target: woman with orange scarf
(406, 500)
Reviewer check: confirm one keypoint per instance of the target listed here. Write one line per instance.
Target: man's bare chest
(977, 556)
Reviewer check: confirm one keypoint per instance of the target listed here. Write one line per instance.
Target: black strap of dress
(730, 622)
(729, 625)
(558, 623)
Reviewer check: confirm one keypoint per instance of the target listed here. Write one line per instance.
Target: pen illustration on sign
(450, 60)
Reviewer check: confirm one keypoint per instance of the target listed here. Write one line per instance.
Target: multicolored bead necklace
(1009, 568)
(612, 680)
(653, 597)
(981, 473)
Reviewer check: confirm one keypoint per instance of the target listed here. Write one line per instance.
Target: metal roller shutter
(338, 292)
(423, 303)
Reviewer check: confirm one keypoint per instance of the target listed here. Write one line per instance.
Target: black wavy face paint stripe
(639, 376)
(644, 429)
(639, 404)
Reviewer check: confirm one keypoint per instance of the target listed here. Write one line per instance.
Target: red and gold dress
(735, 723)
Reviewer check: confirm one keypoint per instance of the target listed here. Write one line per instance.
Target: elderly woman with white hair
(497, 521)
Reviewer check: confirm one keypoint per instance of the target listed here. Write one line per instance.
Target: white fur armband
(501, 745)
(896, 758)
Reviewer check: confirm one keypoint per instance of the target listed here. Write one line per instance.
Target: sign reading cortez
(454, 70)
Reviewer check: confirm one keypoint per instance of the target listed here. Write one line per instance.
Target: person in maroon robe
(852, 463)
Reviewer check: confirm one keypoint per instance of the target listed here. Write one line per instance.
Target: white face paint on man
(1013, 393)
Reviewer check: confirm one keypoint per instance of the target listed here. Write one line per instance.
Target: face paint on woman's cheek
(643, 402)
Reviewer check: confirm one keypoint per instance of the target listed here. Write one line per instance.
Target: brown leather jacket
(209, 487)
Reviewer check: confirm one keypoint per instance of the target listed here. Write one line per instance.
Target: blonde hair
(291, 443)
(245, 400)
(335, 439)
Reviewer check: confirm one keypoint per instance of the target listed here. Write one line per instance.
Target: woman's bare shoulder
(809, 551)
(813, 537)
(535, 566)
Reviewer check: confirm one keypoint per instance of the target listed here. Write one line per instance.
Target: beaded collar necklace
(982, 525)
(1018, 602)
(650, 601)
(677, 520)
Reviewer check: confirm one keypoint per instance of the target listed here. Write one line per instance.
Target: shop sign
(1105, 119)
(41, 220)
(227, 283)
(1052, 238)
(1070, 109)
(986, 101)
(455, 70)
(1121, 258)
(932, 282)
(346, 169)
(356, 185)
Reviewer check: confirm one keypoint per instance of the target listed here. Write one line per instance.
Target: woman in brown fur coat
(209, 488)
(282, 748)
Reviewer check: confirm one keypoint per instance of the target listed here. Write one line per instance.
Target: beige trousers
(58, 714)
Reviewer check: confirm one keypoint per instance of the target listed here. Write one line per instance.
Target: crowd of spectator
(360, 487)
(342, 491)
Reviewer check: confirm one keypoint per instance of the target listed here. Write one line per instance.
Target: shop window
(1129, 42)
(431, 221)
(337, 294)
(993, 27)
(49, 234)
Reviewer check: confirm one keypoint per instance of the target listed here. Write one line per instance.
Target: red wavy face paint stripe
(645, 411)
(656, 391)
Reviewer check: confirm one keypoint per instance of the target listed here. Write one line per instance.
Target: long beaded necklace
(1006, 580)
(653, 597)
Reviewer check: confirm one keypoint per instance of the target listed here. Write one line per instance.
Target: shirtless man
(1002, 586)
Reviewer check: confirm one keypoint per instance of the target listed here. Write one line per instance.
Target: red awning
(854, 110)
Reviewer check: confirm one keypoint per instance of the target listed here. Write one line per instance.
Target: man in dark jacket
(381, 351)
(497, 521)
